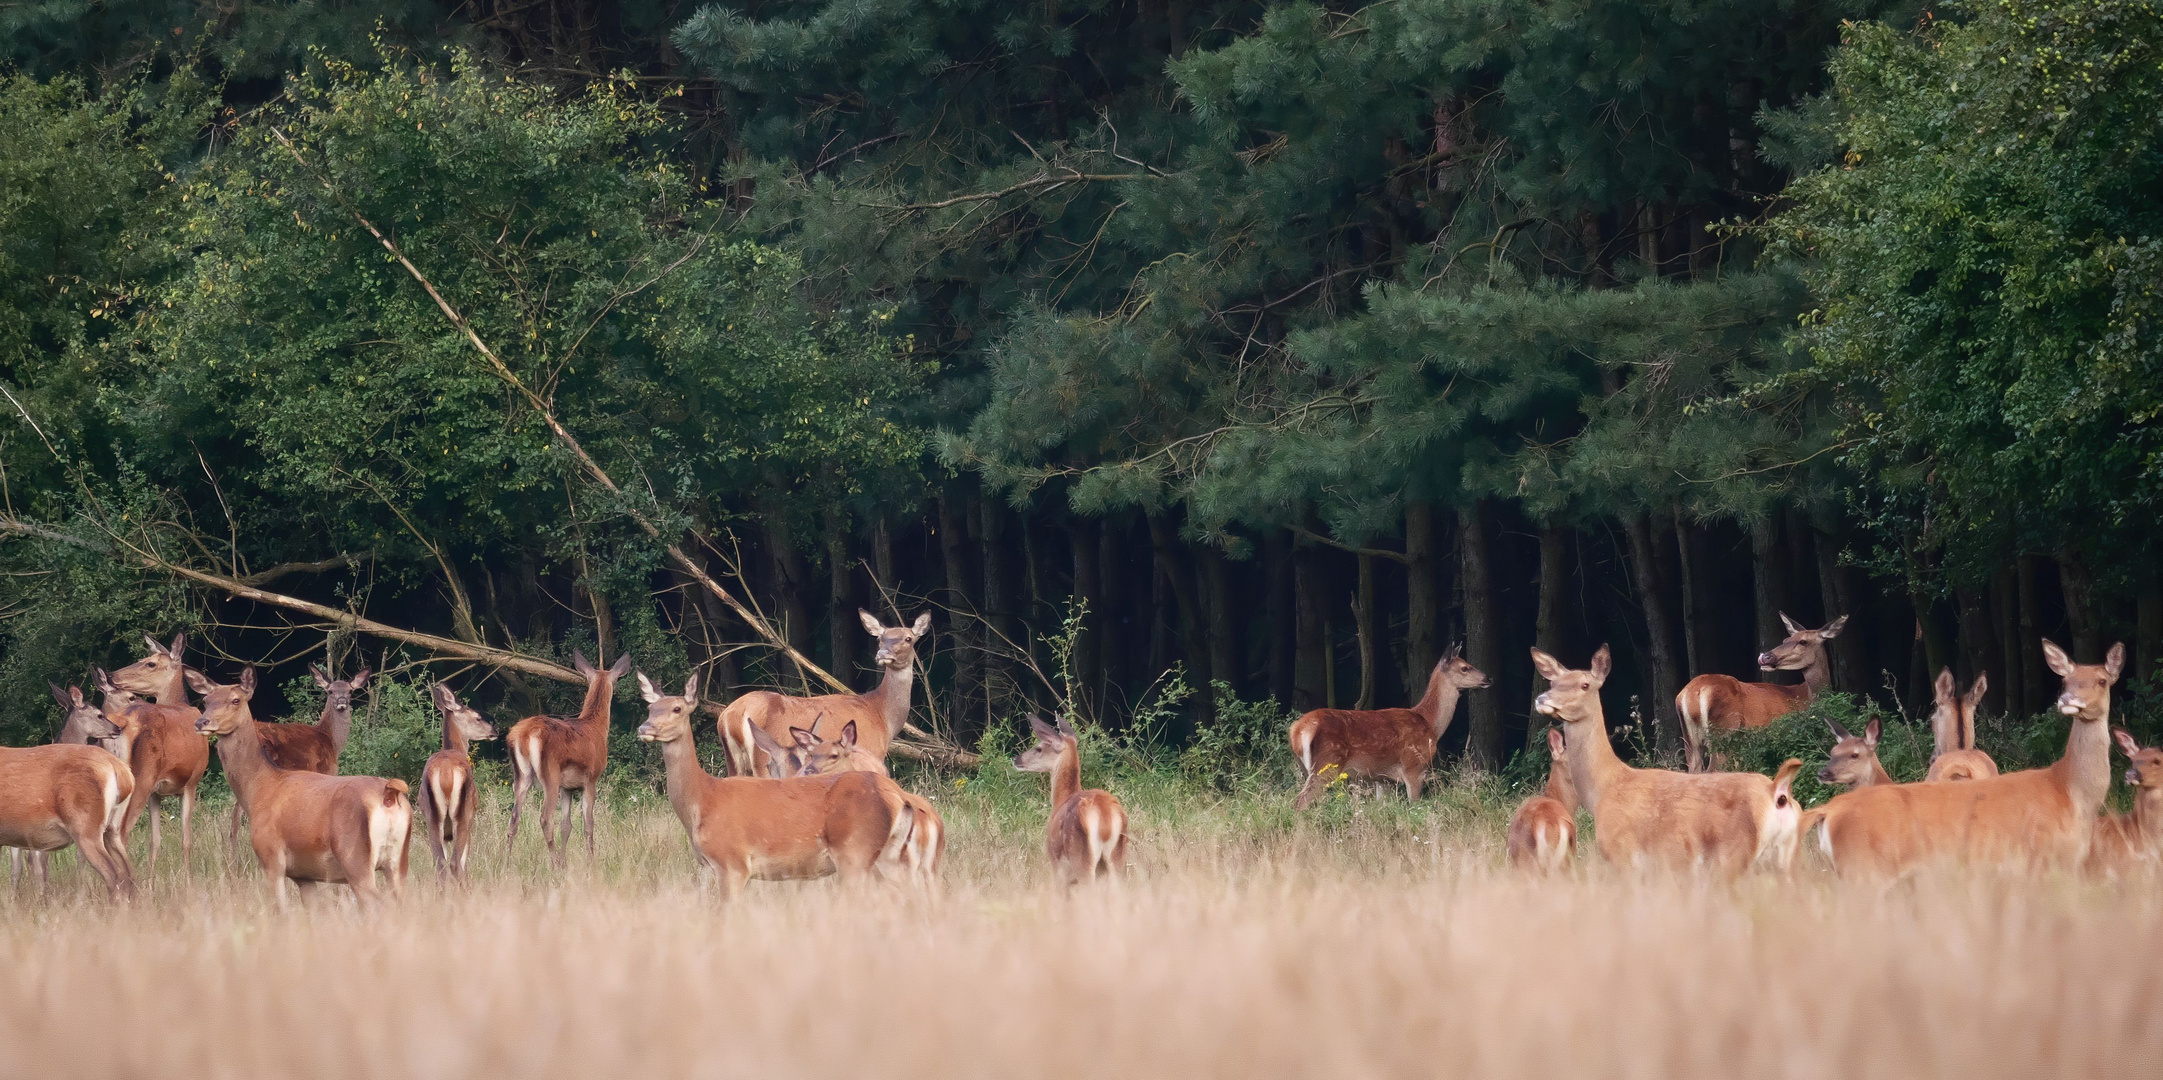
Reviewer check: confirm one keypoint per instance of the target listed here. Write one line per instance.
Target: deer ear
(197, 681)
(1042, 727)
(1943, 688)
(2060, 664)
(1832, 629)
(848, 735)
(922, 625)
(690, 687)
(1871, 733)
(1549, 668)
(153, 643)
(804, 739)
(358, 678)
(2114, 661)
(1556, 747)
(2125, 741)
(61, 696)
(763, 741)
(1793, 627)
(583, 665)
(1840, 734)
(1974, 696)
(247, 682)
(322, 678)
(180, 641)
(1602, 663)
(1066, 728)
(103, 680)
(622, 664)
(872, 625)
(646, 689)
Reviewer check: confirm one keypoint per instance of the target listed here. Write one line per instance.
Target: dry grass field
(1376, 940)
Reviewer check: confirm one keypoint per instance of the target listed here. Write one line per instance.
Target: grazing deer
(161, 744)
(2036, 817)
(1543, 832)
(564, 755)
(1854, 760)
(309, 747)
(1087, 833)
(1952, 724)
(927, 835)
(70, 792)
(2124, 841)
(1715, 822)
(305, 826)
(1383, 744)
(1724, 703)
(879, 715)
(745, 827)
(448, 797)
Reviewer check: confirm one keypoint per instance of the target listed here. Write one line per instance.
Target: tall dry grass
(1378, 940)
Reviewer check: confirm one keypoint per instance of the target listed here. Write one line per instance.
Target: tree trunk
(1423, 596)
(1311, 674)
(1116, 648)
(1979, 644)
(2080, 609)
(1483, 633)
(1367, 633)
(1693, 650)
(1174, 569)
(1005, 641)
(843, 629)
(1837, 585)
(961, 604)
(1088, 670)
(2150, 629)
(1225, 662)
(1554, 582)
(2031, 638)
(1937, 651)
(790, 582)
(882, 564)
(1768, 582)
(2005, 610)
(1282, 616)
(1653, 598)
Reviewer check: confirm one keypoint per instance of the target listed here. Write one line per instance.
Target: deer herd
(800, 804)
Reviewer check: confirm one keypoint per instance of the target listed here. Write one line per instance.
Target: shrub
(1245, 749)
(1903, 748)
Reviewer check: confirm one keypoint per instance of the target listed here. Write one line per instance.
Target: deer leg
(433, 818)
(551, 791)
(232, 830)
(91, 842)
(1310, 790)
(592, 790)
(1413, 781)
(116, 848)
(157, 810)
(187, 821)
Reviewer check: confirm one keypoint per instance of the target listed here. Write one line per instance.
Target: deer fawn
(448, 797)
(1952, 725)
(2035, 817)
(745, 827)
(1717, 822)
(164, 751)
(1389, 744)
(1087, 833)
(70, 793)
(927, 834)
(564, 755)
(305, 826)
(1854, 760)
(1543, 832)
(879, 715)
(2125, 841)
(1724, 703)
(309, 747)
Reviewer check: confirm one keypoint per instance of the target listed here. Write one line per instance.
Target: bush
(1245, 749)
(1903, 747)
(395, 726)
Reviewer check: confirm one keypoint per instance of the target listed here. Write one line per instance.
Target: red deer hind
(310, 747)
(1086, 837)
(448, 797)
(1712, 703)
(70, 793)
(878, 715)
(563, 755)
(2132, 839)
(1382, 744)
(1543, 832)
(165, 752)
(927, 835)
(1952, 725)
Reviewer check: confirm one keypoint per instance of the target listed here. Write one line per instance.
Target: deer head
(1803, 647)
(897, 644)
(85, 718)
(470, 725)
(2086, 696)
(153, 673)
(1052, 740)
(1459, 672)
(225, 707)
(2146, 773)
(668, 717)
(1560, 784)
(1853, 760)
(1572, 696)
(338, 693)
(818, 755)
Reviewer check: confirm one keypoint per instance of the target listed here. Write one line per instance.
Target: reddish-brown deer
(1952, 725)
(1086, 837)
(879, 715)
(309, 747)
(448, 797)
(2133, 839)
(1382, 744)
(1712, 703)
(1543, 832)
(563, 755)
(927, 833)
(305, 826)
(70, 793)
(2032, 818)
(745, 827)
(163, 749)
(1721, 823)
(1854, 762)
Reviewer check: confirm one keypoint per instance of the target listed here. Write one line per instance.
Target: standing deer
(1543, 832)
(1385, 744)
(1721, 823)
(165, 752)
(448, 797)
(1087, 833)
(2124, 841)
(927, 835)
(305, 826)
(564, 755)
(70, 793)
(745, 827)
(1854, 760)
(2035, 817)
(1952, 725)
(1724, 703)
(879, 715)
(309, 747)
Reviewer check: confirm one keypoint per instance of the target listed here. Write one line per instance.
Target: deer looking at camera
(879, 715)
(1712, 703)
(1720, 823)
(309, 747)
(305, 826)
(70, 793)
(165, 752)
(927, 834)
(1854, 762)
(2132, 839)
(563, 755)
(1543, 832)
(1952, 726)
(448, 797)
(744, 827)
(1086, 836)
(1382, 744)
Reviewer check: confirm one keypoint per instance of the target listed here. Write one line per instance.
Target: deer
(1086, 836)
(2124, 841)
(1543, 832)
(565, 754)
(1720, 823)
(1715, 702)
(1952, 725)
(743, 827)
(1854, 762)
(1382, 744)
(310, 747)
(448, 798)
(164, 750)
(879, 714)
(927, 836)
(70, 792)
(2036, 818)
(305, 826)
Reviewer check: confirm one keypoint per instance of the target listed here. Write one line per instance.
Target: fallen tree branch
(1380, 553)
(1033, 182)
(339, 562)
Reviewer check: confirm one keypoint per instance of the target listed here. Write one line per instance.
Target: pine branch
(1035, 182)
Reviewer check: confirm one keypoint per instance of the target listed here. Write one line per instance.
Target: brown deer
(1952, 725)
(1719, 823)
(565, 754)
(70, 793)
(448, 797)
(927, 835)
(2132, 839)
(879, 715)
(160, 743)
(305, 826)
(1543, 832)
(745, 827)
(309, 747)
(1854, 760)
(1382, 744)
(1724, 703)
(1086, 836)
(2035, 817)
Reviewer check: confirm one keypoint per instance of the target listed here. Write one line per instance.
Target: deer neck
(2148, 817)
(593, 712)
(1818, 676)
(241, 753)
(685, 776)
(339, 726)
(2085, 768)
(1592, 758)
(1878, 775)
(1559, 785)
(1438, 706)
(892, 697)
(174, 691)
(453, 739)
(1066, 775)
